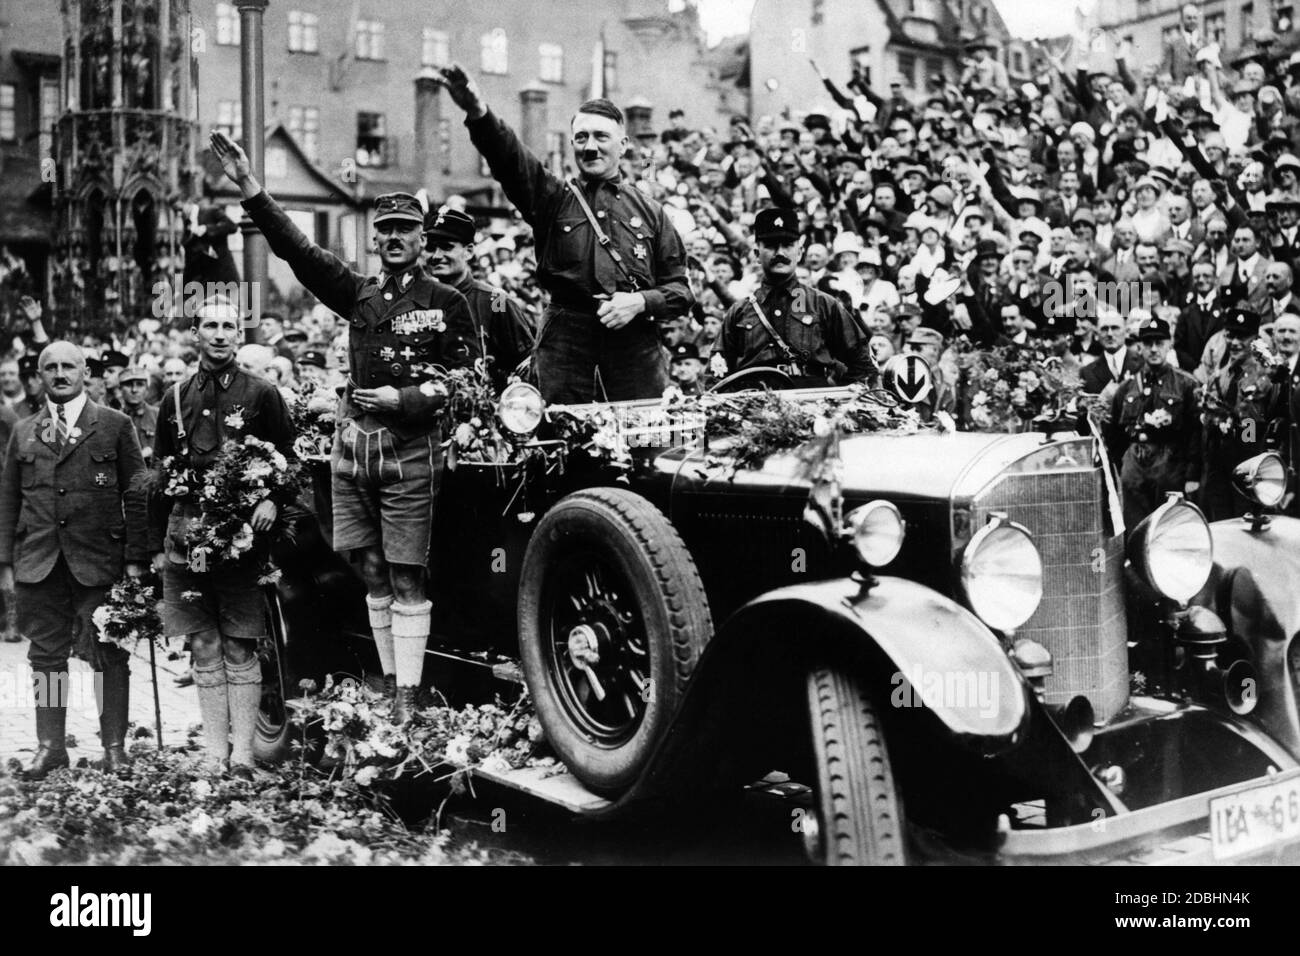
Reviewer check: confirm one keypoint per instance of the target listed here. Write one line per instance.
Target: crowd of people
(1129, 220)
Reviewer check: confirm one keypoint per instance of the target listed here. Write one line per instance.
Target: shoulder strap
(180, 419)
(780, 342)
(601, 237)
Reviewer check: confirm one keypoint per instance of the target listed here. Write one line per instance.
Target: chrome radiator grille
(1081, 618)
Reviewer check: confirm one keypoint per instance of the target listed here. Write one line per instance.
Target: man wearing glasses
(387, 460)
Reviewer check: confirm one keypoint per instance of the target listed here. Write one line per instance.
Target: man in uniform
(69, 522)
(33, 387)
(804, 332)
(608, 254)
(114, 361)
(133, 385)
(220, 610)
(1154, 428)
(387, 459)
(1237, 403)
(504, 328)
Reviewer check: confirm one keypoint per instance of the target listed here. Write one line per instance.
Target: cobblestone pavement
(180, 705)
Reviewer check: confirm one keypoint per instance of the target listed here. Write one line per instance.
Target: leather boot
(404, 706)
(52, 752)
(113, 717)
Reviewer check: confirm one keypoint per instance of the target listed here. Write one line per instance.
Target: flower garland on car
(1009, 386)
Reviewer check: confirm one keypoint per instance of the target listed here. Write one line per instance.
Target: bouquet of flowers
(129, 613)
(313, 413)
(1009, 386)
(244, 474)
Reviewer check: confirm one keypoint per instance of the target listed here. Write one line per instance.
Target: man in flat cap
(1154, 428)
(114, 361)
(608, 254)
(1238, 403)
(1284, 243)
(33, 386)
(387, 460)
(504, 328)
(133, 387)
(786, 324)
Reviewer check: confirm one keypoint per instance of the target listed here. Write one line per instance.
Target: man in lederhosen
(387, 460)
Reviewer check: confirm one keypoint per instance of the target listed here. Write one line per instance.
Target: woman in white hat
(1146, 215)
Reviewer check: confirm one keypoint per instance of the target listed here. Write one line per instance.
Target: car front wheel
(612, 620)
(859, 814)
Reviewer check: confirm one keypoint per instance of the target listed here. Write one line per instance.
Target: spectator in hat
(33, 387)
(686, 368)
(1176, 255)
(313, 367)
(133, 389)
(877, 294)
(505, 330)
(95, 380)
(1284, 243)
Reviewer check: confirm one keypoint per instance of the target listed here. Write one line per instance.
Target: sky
(1025, 18)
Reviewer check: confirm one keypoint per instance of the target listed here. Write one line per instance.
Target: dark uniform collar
(771, 288)
(222, 375)
(401, 279)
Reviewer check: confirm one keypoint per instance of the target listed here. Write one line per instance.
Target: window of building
(1018, 61)
(611, 71)
(494, 56)
(435, 49)
(304, 127)
(1216, 27)
(818, 12)
(860, 62)
(444, 145)
(552, 60)
(230, 119)
(370, 40)
(907, 67)
(227, 24)
(8, 112)
(934, 69)
(1247, 21)
(372, 140)
(49, 114)
(302, 32)
(555, 152)
(1282, 15)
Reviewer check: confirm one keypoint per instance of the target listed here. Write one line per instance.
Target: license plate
(1255, 819)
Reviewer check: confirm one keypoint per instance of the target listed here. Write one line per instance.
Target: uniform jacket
(78, 503)
(1286, 248)
(569, 264)
(145, 420)
(1240, 402)
(1158, 409)
(400, 326)
(215, 405)
(504, 327)
(823, 335)
(1254, 290)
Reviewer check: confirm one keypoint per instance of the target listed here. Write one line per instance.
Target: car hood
(926, 466)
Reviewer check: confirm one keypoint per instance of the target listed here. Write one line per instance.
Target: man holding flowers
(212, 596)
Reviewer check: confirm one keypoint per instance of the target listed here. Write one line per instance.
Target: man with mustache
(69, 523)
(607, 253)
(387, 460)
(806, 333)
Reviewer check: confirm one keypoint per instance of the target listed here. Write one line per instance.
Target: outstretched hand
(234, 161)
(462, 89)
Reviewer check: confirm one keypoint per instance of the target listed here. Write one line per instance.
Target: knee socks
(410, 636)
(244, 690)
(381, 626)
(210, 679)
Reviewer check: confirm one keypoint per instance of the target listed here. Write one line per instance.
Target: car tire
(607, 566)
(859, 819)
(271, 735)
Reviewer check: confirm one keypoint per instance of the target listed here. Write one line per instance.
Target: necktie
(1116, 365)
(63, 427)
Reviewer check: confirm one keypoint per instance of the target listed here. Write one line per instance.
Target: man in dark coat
(69, 522)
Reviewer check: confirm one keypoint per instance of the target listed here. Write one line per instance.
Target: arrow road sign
(910, 378)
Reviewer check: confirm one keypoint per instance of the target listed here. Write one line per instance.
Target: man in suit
(69, 521)
(1202, 317)
(1182, 225)
(1123, 264)
(1243, 279)
(1279, 298)
(1285, 243)
(1117, 363)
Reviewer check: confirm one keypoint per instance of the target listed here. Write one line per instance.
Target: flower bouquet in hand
(245, 474)
(313, 413)
(130, 613)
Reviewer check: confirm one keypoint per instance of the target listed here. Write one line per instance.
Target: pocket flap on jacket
(104, 454)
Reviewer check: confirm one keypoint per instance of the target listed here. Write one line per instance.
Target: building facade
(342, 82)
(921, 41)
(1233, 24)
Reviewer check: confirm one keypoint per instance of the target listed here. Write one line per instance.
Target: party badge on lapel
(635, 222)
(101, 479)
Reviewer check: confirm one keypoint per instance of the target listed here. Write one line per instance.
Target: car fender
(938, 652)
(1254, 592)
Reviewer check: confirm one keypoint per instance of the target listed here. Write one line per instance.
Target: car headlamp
(1262, 479)
(1172, 549)
(876, 530)
(520, 408)
(1002, 573)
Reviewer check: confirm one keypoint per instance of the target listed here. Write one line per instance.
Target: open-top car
(944, 637)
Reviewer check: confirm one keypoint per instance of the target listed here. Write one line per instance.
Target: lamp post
(251, 87)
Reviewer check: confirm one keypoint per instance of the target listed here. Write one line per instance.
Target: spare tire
(612, 618)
